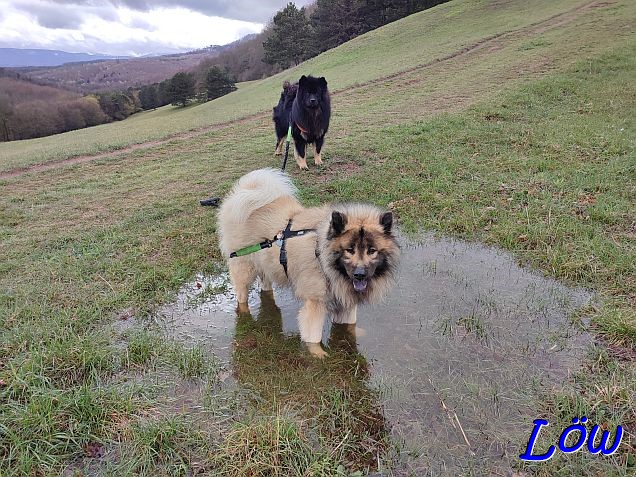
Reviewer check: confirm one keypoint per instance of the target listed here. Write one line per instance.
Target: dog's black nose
(359, 274)
(313, 101)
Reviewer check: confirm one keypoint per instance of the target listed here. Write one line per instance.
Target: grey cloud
(51, 17)
(67, 14)
(140, 24)
(249, 10)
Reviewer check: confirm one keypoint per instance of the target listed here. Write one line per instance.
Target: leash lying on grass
(211, 202)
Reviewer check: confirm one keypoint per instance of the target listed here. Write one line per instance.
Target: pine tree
(290, 40)
(148, 97)
(5, 113)
(181, 88)
(218, 83)
(163, 93)
(335, 22)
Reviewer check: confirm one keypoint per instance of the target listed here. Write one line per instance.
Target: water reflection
(332, 394)
(451, 366)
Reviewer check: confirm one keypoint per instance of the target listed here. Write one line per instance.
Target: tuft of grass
(275, 446)
(53, 425)
(142, 347)
(145, 347)
(193, 362)
(164, 446)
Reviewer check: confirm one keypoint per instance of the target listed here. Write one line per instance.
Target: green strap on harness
(280, 240)
(289, 134)
(251, 249)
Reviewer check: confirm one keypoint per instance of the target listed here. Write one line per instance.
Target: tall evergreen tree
(181, 88)
(289, 42)
(163, 92)
(5, 112)
(335, 22)
(218, 83)
(373, 14)
(148, 97)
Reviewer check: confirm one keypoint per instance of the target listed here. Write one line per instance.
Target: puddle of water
(460, 347)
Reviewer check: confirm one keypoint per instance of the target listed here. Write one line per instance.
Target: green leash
(287, 142)
(252, 249)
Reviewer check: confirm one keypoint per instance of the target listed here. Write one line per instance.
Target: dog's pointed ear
(323, 82)
(302, 80)
(386, 221)
(338, 223)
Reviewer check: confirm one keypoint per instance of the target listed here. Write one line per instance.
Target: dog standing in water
(348, 255)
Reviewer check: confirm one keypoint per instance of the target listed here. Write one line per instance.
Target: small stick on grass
(333, 452)
(453, 417)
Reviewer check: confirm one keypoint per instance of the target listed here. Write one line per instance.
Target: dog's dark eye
(371, 251)
(350, 250)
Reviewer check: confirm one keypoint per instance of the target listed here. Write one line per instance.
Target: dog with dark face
(349, 257)
(310, 116)
(305, 105)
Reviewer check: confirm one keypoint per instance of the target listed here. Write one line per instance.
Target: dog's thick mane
(339, 285)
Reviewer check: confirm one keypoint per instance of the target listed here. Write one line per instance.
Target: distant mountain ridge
(19, 57)
(94, 73)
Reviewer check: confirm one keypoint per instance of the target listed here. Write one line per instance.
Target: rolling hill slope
(507, 32)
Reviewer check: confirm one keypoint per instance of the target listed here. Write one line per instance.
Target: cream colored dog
(350, 258)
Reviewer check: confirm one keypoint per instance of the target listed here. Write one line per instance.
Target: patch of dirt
(491, 43)
(341, 169)
(622, 353)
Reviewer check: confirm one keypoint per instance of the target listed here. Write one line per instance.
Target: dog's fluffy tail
(252, 191)
(256, 190)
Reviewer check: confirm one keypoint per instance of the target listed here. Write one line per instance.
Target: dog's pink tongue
(359, 285)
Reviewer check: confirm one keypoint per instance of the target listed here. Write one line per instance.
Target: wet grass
(545, 170)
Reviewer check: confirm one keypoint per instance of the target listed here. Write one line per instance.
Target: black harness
(286, 234)
(280, 239)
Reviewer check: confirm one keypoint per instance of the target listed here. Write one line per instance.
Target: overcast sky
(131, 27)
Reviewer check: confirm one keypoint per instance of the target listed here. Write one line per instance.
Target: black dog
(307, 106)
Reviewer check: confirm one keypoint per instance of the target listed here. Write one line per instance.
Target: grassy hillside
(417, 40)
(525, 142)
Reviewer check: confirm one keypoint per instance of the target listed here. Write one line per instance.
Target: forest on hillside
(297, 34)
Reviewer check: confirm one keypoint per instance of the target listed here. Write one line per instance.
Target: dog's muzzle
(359, 280)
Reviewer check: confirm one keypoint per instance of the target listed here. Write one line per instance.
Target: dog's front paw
(316, 350)
(243, 309)
(318, 160)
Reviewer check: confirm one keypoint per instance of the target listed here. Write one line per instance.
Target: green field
(521, 137)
